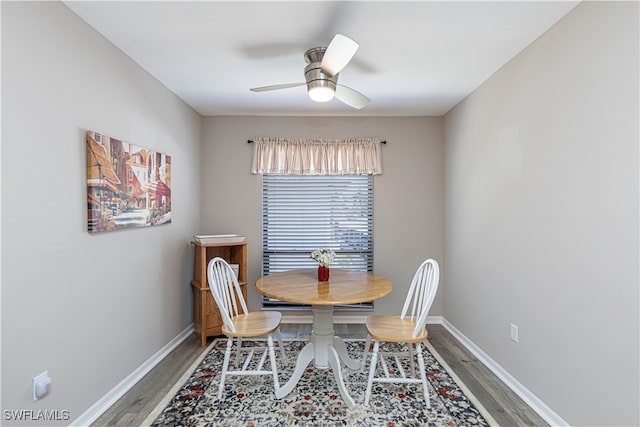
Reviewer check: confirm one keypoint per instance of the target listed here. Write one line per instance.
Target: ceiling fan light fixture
(321, 87)
(320, 93)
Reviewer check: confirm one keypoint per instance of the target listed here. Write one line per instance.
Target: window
(301, 213)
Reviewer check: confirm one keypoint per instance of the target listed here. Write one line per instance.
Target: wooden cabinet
(206, 316)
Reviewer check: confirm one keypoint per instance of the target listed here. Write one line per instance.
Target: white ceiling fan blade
(276, 87)
(338, 54)
(351, 97)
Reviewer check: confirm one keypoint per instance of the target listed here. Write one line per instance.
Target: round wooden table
(324, 348)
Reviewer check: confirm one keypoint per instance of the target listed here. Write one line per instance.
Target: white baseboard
(434, 320)
(98, 408)
(516, 386)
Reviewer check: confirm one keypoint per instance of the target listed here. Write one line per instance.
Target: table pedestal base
(326, 350)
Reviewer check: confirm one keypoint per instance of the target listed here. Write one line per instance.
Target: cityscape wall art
(127, 186)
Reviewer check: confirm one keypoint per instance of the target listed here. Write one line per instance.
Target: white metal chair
(239, 323)
(408, 329)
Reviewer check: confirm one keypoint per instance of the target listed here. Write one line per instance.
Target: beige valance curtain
(299, 156)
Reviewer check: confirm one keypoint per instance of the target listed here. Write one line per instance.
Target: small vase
(323, 273)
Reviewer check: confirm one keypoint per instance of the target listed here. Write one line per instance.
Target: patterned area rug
(315, 401)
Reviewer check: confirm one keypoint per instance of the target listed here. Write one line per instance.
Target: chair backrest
(421, 294)
(226, 291)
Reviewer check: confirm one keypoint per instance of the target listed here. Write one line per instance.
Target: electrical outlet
(514, 333)
(41, 385)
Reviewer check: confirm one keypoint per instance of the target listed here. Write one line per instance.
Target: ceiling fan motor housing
(313, 74)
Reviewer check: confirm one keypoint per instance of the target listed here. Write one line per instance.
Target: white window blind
(301, 213)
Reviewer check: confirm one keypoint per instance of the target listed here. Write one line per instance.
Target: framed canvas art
(127, 186)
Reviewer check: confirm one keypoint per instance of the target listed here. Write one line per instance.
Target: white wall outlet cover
(41, 385)
(514, 333)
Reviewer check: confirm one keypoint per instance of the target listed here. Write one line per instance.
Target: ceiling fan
(321, 73)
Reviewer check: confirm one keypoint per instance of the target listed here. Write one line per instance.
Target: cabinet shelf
(206, 315)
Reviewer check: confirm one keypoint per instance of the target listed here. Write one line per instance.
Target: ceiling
(417, 58)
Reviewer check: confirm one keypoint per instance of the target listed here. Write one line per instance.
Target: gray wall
(542, 216)
(90, 309)
(408, 196)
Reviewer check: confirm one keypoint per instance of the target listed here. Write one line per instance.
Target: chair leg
(413, 366)
(366, 352)
(238, 349)
(372, 368)
(283, 354)
(225, 366)
(423, 375)
(274, 370)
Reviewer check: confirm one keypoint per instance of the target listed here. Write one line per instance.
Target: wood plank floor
(504, 405)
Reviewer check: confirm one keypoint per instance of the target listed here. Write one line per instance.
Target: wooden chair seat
(254, 324)
(393, 329)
